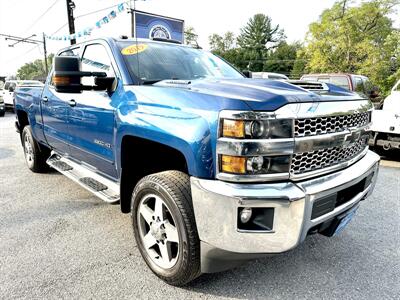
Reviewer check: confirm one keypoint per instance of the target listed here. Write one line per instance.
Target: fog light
(255, 164)
(245, 214)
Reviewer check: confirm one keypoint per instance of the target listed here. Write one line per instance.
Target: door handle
(72, 102)
(45, 99)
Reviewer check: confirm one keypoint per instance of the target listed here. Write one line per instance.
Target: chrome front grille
(331, 124)
(320, 159)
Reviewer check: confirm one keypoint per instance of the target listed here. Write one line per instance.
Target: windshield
(159, 61)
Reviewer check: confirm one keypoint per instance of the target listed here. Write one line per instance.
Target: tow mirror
(67, 76)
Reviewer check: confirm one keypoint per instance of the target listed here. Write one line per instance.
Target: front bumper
(216, 204)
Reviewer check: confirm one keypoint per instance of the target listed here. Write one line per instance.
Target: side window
(7, 85)
(368, 87)
(341, 81)
(358, 85)
(96, 59)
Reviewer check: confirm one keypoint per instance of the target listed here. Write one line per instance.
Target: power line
(84, 15)
(42, 15)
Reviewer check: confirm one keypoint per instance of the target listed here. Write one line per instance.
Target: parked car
(269, 75)
(215, 168)
(2, 107)
(356, 83)
(386, 123)
(11, 85)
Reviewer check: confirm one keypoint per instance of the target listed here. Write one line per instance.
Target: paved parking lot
(58, 241)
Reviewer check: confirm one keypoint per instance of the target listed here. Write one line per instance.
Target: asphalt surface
(59, 241)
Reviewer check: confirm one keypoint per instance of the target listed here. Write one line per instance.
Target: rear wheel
(35, 156)
(165, 228)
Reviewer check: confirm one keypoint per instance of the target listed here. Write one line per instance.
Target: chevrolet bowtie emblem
(350, 138)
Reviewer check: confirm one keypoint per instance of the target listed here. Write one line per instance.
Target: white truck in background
(386, 122)
(7, 93)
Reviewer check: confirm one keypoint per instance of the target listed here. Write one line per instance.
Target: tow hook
(386, 146)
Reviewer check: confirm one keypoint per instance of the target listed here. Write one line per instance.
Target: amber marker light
(233, 128)
(233, 164)
(61, 80)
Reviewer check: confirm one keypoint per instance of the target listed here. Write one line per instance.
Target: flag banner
(88, 30)
(148, 26)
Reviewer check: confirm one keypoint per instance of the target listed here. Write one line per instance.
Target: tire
(2, 114)
(35, 156)
(173, 188)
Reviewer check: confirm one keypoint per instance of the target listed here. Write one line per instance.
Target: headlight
(254, 165)
(257, 129)
(254, 146)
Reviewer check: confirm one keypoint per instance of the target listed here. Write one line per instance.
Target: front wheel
(164, 226)
(35, 156)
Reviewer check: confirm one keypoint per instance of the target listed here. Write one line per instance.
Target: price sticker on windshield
(134, 49)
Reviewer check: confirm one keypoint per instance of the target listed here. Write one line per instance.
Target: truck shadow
(308, 268)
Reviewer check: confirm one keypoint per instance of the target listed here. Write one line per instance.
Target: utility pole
(45, 54)
(71, 20)
(132, 11)
(29, 40)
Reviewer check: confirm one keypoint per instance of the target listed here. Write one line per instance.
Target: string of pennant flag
(88, 30)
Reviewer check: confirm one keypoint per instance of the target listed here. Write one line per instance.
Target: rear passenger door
(91, 119)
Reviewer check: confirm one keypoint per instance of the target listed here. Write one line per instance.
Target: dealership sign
(149, 26)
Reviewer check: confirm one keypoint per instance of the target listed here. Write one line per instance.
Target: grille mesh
(323, 125)
(319, 159)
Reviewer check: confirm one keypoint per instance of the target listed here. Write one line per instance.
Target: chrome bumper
(216, 204)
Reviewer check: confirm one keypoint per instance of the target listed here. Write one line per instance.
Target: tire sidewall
(151, 187)
(27, 133)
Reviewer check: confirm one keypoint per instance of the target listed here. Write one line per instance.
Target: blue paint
(184, 117)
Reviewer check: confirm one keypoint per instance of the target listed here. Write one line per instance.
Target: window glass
(153, 62)
(324, 79)
(358, 85)
(7, 85)
(340, 81)
(309, 78)
(368, 87)
(96, 59)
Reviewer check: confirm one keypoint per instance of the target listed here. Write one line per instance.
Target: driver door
(91, 118)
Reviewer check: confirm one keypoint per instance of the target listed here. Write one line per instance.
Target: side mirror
(67, 75)
(374, 93)
(247, 73)
(11, 89)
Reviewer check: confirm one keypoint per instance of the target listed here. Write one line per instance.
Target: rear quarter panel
(28, 99)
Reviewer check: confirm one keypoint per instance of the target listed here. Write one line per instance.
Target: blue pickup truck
(215, 168)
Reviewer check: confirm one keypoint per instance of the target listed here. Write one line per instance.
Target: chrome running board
(104, 188)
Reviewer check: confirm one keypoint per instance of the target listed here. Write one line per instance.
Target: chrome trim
(330, 140)
(291, 201)
(255, 147)
(329, 169)
(252, 178)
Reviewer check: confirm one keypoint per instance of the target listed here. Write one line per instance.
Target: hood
(258, 94)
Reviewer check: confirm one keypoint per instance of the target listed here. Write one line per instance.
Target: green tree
(283, 58)
(190, 36)
(35, 69)
(258, 36)
(222, 43)
(355, 39)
